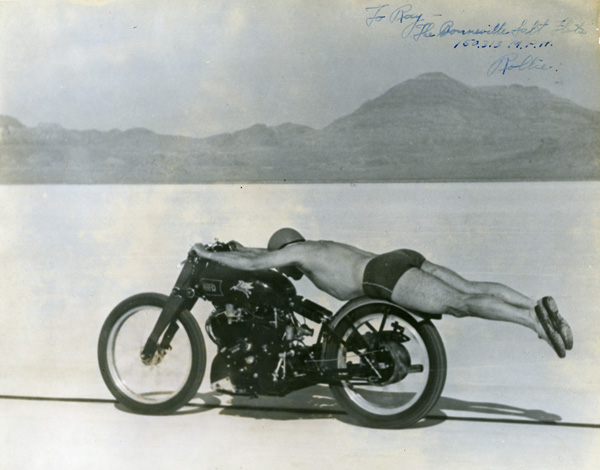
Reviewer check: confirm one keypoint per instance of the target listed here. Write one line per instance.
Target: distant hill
(435, 127)
(430, 128)
(7, 122)
(260, 135)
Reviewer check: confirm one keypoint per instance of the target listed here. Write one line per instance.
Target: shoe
(554, 336)
(559, 322)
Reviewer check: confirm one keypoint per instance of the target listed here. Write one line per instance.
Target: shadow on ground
(492, 409)
(318, 403)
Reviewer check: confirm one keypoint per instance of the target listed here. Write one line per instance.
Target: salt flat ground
(70, 253)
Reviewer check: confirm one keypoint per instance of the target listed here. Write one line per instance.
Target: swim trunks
(383, 272)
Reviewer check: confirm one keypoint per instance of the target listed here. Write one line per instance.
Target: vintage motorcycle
(385, 365)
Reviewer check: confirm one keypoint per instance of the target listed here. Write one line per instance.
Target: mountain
(429, 128)
(259, 135)
(438, 128)
(7, 123)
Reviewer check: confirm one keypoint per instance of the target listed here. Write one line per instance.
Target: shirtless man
(404, 277)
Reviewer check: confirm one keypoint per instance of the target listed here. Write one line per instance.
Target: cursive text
(514, 62)
(414, 24)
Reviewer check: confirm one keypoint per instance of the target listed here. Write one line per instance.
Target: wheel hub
(396, 361)
(156, 358)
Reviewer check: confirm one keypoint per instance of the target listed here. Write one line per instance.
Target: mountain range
(430, 128)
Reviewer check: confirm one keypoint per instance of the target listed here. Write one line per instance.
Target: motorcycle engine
(257, 348)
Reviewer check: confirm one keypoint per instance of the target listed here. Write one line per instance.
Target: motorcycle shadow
(318, 403)
(493, 411)
(310, 403)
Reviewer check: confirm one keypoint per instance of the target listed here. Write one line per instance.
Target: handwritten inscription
(524, 35)
(484, 43)
(514, 62)
(415, 25)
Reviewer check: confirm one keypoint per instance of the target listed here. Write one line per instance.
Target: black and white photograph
(299, 234)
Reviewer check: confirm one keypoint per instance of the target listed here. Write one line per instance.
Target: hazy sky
(202, 67)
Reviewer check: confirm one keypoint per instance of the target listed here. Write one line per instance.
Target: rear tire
(159, 388)
(388, 405)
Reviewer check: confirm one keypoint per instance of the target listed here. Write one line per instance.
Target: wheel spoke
(371, 327)
(384, 319)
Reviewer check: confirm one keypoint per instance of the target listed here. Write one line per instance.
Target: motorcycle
(385, 365)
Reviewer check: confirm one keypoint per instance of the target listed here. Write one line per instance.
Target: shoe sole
(559, 322)
(555, 339)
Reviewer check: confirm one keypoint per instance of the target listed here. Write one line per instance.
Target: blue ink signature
(513, 62)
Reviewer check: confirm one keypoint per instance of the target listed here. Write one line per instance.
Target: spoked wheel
(171, 378)
(391, 368)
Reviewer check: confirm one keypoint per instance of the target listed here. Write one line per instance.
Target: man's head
(282, 238)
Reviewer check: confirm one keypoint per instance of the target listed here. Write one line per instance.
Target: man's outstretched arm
(239, 247)
(248, 259)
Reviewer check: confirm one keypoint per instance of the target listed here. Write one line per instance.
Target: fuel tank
(220, 284)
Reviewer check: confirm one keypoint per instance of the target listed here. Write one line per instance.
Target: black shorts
(383, 272)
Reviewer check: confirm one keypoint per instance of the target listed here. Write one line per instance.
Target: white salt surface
(69, 254)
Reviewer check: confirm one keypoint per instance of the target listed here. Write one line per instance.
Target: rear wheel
(171, 378)
(391, 368)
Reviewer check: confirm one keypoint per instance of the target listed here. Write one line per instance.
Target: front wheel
(171, 378)
(391, 369)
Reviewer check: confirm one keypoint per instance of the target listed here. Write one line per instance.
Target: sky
(201, 68)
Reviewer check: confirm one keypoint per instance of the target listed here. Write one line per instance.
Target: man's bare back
(333, 267)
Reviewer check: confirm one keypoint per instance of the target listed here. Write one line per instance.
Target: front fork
(167, 320)
(183, 297)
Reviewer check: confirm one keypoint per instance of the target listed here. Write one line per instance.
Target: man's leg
(469, 287)
(425, 292)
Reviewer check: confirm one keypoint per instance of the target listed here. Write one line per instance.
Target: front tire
(171, 380)
(393, 398)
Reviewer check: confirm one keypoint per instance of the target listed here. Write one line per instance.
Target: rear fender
(360, 302)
